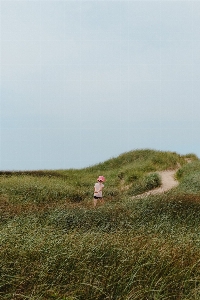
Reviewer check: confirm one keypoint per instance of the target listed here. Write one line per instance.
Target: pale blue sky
(84, 81)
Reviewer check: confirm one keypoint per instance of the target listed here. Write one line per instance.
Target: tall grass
(91, 262)
(56, 246)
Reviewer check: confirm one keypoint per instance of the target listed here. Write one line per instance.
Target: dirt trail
(168, 182)
(167, 179)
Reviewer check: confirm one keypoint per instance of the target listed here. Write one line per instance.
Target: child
(98, 187)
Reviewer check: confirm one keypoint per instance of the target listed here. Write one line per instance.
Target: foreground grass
(53, 247)
(100, 266)
(129, 252)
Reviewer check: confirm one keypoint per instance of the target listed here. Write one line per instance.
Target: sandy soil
(168, 182)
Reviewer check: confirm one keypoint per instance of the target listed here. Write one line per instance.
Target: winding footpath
(168, 182)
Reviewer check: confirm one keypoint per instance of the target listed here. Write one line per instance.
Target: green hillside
(55, 245)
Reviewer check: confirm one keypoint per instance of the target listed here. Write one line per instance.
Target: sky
(85, 81)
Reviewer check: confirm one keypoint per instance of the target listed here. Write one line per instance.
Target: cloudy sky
(84, 81)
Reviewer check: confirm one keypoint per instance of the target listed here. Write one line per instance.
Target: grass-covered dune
(54, 245)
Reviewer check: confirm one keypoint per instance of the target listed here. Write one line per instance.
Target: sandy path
(168, 182)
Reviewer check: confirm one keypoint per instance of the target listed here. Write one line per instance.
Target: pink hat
(101, 178)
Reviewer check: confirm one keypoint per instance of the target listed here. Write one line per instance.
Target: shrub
(149, 182)
(152, 181)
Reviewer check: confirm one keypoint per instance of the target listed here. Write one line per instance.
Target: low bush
(152, 181)
(148, 182)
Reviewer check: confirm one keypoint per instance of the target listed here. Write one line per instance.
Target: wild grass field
(55, 245)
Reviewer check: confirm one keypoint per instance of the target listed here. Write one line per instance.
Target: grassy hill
(54, 245)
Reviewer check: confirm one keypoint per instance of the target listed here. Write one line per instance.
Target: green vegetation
(189, 177)
(145, 183)
(54, 245)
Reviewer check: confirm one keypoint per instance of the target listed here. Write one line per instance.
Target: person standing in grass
(98, 188)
